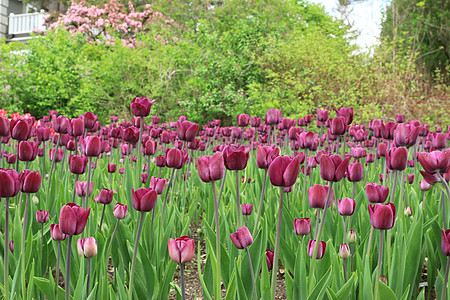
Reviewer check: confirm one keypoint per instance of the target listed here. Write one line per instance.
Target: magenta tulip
(317, 196)
(320, 249)
(210, 168)
(120, 211)
(143, 199)
(30, 181)
(302, 226)
(181, 250)
(376, 193)
(332, 167)
(382, 216)
(42, 216)
(283, 170)
(346, 206)
(56, 233)
(72, 219)
(241, 238)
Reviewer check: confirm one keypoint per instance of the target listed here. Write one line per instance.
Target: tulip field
(269, 208)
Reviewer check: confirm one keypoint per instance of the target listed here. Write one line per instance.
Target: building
(18, 20)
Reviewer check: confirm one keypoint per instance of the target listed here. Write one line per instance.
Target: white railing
(26, 23)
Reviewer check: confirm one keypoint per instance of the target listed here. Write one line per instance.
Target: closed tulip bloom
(242, 120)
(408, 211)
(424, 185)
(175, 158)
(265, 155)
(181, 250)
(27, 151)
(87, 247)
(158, 184)
(11, 158)
(143, 199)
(302, 226)
(105, 196)
(273, 116)
(9, 183)
(144, 177)
(382, 216)
(241, 238)
(89, 120)
(410, 178)
(344, 251)
(187, 131)
(322, 115)
(72, 219)
(60, 124)
(210, 168)
(56, 234)
(283, 171)
(112, 168)
(20, 130)
(11, 246)
(439, 141)
(81, 188)
(42, 133)
(376, 193)
(400, 118)
(317, 196)
(405, 135)
(382, 149)
(345, 112)
(332, 167)
(149, 147)
(4, 126)
(445, 242)
(358, 152)
(397, 158)
(346, 206)
(131, 135)
(320, 249)
(235, 158)
(141, 106)
(77, 164)
(246, 209)
(76, 127)
(435, 161)
(92, 146)
(59, 154)
(355, 172)
(42, 216)
(120, 211)
(269, 259)
(351, 237)
(338, 126)
(387, 130)
(255, 121)
(30, 181)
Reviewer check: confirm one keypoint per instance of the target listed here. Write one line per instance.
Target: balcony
(20, 26)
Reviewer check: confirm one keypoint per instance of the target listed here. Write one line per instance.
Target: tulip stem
(444, 287)
(41, 248)
(112, 238)
(133, 263)
(58, 256)
(22, 245)
(101, 220)
(261, 202)
(222, 184)
(218, 292)
(62, 164)
(448, 196)
(238, 200)
(169, 185)
(43, 158)
(318, 236)
(183, 291)
(345, 228)
(304, 183)
(253, 274)
(317, 222)
(345, 270)
(394, 184)
(6, 250)
(380, 258)
(370, 244)
(74, 188)
(88, 277)
(86, 198)
(277, 244)
(53, 166)
(67, 286)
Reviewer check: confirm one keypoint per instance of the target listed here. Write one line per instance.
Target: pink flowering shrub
(109, 24)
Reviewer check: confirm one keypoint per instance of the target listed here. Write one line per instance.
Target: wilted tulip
(320, 249)
(241, 238)
(181, 250)
(382, 216)
(283, 170)
(143, 199)
(302, 226)
(72, 219)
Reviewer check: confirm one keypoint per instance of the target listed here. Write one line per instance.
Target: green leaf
(321, 286)
(386, 292)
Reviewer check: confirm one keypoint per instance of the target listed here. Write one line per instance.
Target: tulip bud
(42, 216)
(105, 196)
(120, 211)
(246, 209)
(144, 177)
(351, 237)
(408, 211)
(445, 242)
(87, 247)
(383, 279)
(112, 168)
(11, 246)
(181, 250)
(424, 186)
(81, 188)
(269, 259)
(346, 206)
(320, 249)
(302, 226)
(344, 251)
(77, 164)
(397, 158)
(56, 234)
(235, 158)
